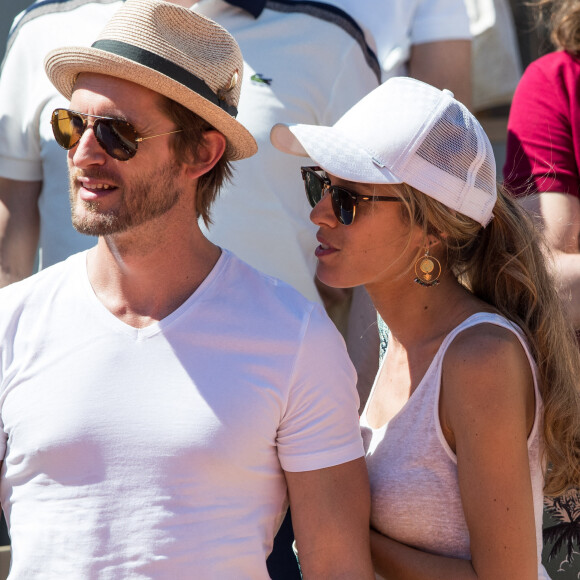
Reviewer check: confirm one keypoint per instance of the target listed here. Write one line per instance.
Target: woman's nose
(322, 212)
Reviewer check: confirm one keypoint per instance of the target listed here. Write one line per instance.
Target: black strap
(254, 7)
(166, 67)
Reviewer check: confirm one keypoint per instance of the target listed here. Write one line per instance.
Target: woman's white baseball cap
(405, 131)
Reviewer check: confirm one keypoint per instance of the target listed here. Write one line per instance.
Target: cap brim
(64, 65)
(333, 151)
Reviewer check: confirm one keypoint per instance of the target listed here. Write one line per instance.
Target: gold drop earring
(427, 270)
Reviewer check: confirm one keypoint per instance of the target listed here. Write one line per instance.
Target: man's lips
(91, 189)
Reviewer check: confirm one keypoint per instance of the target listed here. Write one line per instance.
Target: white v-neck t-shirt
(159, 452)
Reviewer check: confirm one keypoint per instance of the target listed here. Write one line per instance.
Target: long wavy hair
(503, 264)
(563, 19)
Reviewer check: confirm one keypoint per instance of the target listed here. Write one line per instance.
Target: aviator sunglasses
(343, 200)
(117, 137)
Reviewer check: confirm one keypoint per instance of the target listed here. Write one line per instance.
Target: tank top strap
(484, 318)
(498, 320)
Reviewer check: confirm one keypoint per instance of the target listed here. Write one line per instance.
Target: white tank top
(413, 471)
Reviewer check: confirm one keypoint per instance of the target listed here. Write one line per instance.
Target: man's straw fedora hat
(173, 51)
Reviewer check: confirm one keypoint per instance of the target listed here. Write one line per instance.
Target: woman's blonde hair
(503, 264)
(563, 19)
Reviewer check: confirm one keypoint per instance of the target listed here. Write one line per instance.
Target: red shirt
(543, 142)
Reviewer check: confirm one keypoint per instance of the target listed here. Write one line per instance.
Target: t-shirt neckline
(156, 327)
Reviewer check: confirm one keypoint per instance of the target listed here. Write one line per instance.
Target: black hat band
(165, 67)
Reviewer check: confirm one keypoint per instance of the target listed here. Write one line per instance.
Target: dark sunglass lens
(343, 205)
(314, 187)
(67, 128)
(118, 138)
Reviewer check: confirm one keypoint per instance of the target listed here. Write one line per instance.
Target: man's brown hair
(186, 146)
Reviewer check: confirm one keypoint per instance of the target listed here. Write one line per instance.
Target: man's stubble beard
(141, 201)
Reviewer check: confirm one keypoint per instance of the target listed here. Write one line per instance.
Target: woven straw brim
(64, 65)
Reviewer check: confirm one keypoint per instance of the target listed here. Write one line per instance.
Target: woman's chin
(334, 279)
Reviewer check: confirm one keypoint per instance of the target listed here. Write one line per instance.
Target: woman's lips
(324, 248)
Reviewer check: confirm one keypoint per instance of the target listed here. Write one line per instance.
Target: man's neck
(144, 275)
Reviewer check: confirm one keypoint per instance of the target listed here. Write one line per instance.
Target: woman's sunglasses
(116, 136)
(343, 200)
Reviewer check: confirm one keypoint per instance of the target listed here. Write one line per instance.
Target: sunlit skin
(143, 209)
(377, 246)
(107, 195)
(378, 250)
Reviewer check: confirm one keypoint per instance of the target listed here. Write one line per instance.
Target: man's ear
(210, 151)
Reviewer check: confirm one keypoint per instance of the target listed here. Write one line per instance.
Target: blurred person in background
(542, 169)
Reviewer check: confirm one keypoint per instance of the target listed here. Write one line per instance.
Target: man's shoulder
(261, 310)
(268, 301)
(255, 285)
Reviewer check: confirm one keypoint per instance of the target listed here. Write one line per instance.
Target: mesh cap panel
(456, 145)
(449, 145)
(486, 175)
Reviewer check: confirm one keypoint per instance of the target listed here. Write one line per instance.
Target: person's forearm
(558, 217)
(336, 572)
(16, 259)
(330, 515)
(19, 229)
(445, 64)
(567, 274)
(396, 561)
(339, 562)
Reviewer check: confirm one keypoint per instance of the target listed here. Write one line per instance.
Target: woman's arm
(396, 561)
(487, 411)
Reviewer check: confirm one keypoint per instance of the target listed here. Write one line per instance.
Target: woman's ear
(209, 152)
(433, 241)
